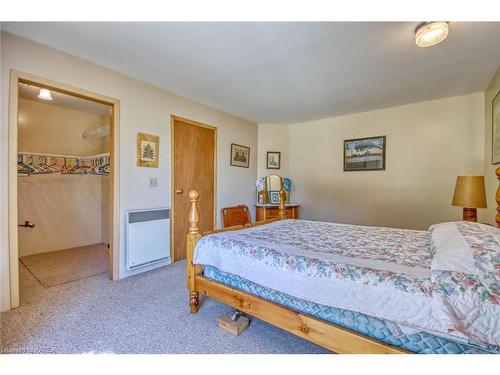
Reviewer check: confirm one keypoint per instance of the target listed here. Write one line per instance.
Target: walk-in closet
(63, 186)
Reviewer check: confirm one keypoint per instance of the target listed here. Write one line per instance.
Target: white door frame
(17, 77)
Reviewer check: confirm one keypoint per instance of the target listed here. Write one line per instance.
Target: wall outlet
(153, 182)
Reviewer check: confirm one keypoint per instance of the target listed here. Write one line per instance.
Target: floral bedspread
(362, 254)
(466, 278)
(394, 274)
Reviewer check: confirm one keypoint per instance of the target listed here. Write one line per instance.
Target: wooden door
(194, 149)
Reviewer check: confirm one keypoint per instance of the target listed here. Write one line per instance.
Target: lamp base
(470, 214)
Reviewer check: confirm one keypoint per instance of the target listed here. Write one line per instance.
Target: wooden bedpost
(497, 198)
(192, 239)
(282, 208)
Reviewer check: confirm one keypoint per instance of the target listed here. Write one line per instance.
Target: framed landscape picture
(240, 155)
(273, 160)
(495, 117)
(364, 154)
(148, 148)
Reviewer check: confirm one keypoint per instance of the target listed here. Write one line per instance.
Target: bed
(356, 289)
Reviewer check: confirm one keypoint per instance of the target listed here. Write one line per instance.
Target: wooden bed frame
(321, 332)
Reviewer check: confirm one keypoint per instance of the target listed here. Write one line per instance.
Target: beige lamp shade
(470, 192)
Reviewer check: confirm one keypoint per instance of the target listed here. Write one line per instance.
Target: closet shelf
(32, 163)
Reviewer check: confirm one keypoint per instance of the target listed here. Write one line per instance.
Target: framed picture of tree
(148, 148)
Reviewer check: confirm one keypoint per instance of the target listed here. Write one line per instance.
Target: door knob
(178, 191)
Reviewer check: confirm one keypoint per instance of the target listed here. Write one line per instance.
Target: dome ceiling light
(428, 34)
(45, 94)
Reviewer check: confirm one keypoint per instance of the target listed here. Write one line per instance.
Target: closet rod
(64, 156)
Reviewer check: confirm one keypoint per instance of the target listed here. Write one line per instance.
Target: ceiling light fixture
(428, 34)
(45, 94)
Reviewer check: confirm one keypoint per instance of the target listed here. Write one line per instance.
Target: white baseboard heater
(148, 237)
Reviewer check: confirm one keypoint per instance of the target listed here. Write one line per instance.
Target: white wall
(144, 108)
(66, 211)
(273, 138)
(428, 145)
(48, 128)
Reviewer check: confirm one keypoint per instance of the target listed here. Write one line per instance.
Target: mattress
(389, 332)
(444, 281)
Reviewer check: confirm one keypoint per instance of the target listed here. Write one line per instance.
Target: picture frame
(495, 129)
(273, 159)
(240, 156)
(274, 197)
(365, 154)
(148, 150)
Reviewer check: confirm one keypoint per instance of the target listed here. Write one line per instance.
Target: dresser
(270, 211)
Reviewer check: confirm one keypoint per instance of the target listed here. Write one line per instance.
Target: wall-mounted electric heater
(147, 237)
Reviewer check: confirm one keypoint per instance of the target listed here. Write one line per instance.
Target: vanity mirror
(268, 197)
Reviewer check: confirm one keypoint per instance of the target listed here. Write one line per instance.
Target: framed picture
(364, 154)
(495, 117)
(240, 155)
(273, 160)
(274, 197)
(148, 148)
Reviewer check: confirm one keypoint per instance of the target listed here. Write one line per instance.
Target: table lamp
(470, 194)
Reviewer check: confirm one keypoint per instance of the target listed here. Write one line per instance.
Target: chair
(237, 215)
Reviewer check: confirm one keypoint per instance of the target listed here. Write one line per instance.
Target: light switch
(153, 182)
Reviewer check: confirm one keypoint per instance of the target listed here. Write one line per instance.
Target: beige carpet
(63, 266)
(145, 313)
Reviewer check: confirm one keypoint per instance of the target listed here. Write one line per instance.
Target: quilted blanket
(387, 273)
(465, 273)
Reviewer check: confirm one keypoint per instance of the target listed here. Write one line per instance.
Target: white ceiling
(31, 92)
(285, 72)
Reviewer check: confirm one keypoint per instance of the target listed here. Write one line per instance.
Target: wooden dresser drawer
(271, 212)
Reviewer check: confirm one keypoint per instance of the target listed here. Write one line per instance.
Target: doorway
(194, 152)
(63, 154)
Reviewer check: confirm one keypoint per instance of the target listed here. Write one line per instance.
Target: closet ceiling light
(429, 34)
(45, 94)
